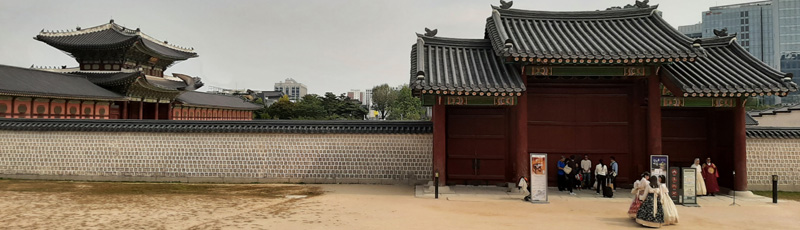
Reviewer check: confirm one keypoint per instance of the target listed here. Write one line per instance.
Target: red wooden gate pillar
(439, 140)
(521, 151)
(739, 146)
(653, 115)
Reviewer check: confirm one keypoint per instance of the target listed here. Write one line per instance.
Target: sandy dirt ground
(357, 207)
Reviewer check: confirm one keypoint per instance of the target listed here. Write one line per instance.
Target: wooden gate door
(477, 145)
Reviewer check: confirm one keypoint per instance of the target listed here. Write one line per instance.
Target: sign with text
(689, 186)
(659, 165)
(674, 184)
(538, 163)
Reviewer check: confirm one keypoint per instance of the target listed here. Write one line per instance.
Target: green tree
(310, 108)
(283, 108)
(262, 112)
(406, 106)
(382, 98)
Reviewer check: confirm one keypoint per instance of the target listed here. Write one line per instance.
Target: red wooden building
(120, 75)
(618, 83)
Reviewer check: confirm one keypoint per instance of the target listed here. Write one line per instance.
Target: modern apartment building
(292, 88)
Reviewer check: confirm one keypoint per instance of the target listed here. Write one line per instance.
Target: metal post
(774, 189)
(436, 184)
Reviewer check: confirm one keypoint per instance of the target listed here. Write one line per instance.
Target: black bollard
(436, 185)
(774, 189)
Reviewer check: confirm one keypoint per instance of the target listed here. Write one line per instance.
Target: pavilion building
(620, 83)
(120, 75)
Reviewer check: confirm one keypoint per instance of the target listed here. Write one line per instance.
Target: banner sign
(674, 184)
(659, 165)
(689, 186)
(538, 163)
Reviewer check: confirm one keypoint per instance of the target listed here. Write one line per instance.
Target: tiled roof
(257, 126)
(201, 99)
(774, 111)
(461, 65)
(727, 70)
(748, 120)
(773, 132)
(612, 34)
(111, 36)
(19, 81)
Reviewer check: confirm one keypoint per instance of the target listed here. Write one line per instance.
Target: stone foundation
(383, 158)
(773, 156)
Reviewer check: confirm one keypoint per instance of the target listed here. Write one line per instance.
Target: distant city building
(269, 97)
(356, 94)
(292, 88)
(692, 31)
(769, 30)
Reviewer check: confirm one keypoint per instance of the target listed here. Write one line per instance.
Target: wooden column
(157, 105)
(171, 110)
(521, 123)
(739, 146)
(141, 109)
(125, 110)
(653, 115)
(439, 140)
(13, 108)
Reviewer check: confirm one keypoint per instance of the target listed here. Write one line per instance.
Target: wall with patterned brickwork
(217, 157)
(772, 156)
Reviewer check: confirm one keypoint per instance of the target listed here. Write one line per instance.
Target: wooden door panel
(477, 144)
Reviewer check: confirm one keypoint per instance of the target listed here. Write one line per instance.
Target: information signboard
(538, 163)
(689, 186)
(674, 184)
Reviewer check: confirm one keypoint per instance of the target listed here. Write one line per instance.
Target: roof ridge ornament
(638, 4)
(721, 33)
(430, 33)
(506, 5)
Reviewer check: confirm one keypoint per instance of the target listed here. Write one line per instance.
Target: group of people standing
(707, 175)
(571, 175)
(652, 206)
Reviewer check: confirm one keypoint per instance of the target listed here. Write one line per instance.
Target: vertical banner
(659, 165)
(674, 184)
(538, 162)
(689, 186)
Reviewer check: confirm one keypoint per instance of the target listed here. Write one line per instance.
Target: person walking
(612, 175)
(639, 192)
(670, 211)
(651, 213)
(561, 164)
(570, 171)
(600, 171)
(710, 175)
(701, 184)
(586, 171)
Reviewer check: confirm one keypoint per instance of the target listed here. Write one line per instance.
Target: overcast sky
(329, 45)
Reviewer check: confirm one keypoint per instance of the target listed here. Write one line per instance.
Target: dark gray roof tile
(193, 98)
(614, 34)
(111, 36)
(31, 82)
(773, 132)
(461, 65)
(727, 70)
(255, 126)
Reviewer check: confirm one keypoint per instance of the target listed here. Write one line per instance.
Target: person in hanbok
(710, 175)
(701, 185)
(651, 213)
(670, 211)
(639, 192)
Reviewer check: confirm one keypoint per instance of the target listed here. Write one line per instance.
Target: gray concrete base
(219, 180)
(743, 194)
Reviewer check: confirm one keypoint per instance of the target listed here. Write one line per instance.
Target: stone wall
(350, 155)
(773, 156)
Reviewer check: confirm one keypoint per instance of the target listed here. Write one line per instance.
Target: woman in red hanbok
(710, 175)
